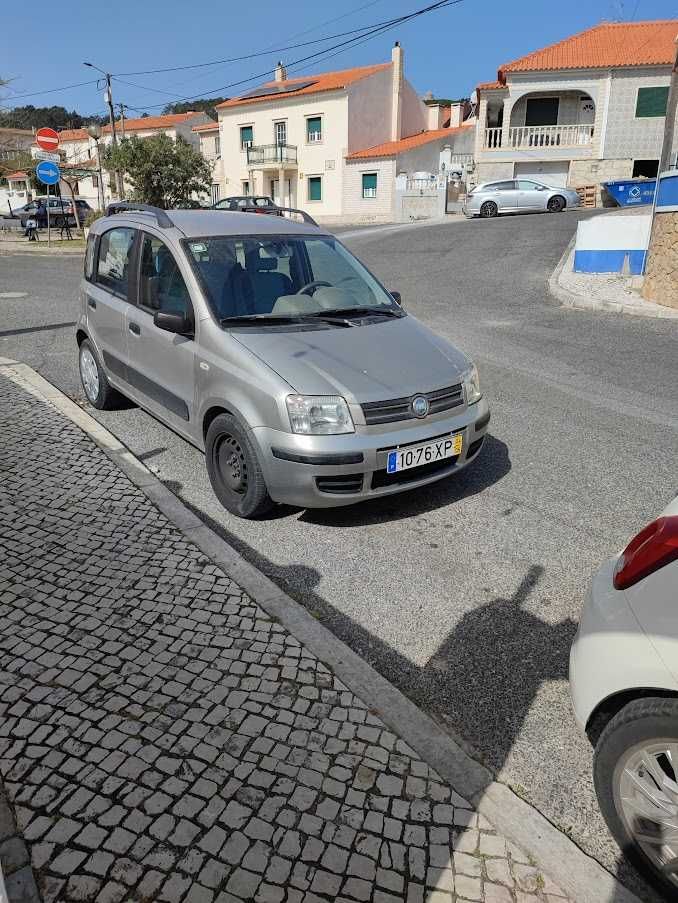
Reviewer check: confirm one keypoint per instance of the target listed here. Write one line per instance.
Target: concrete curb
(584, 302)
(579, 875)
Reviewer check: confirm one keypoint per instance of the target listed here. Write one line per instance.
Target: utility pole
(671, 109)
(108, 94)
(122, 120)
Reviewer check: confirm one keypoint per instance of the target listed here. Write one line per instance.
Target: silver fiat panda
(265, 343)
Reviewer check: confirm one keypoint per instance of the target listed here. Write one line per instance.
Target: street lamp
(94, 131)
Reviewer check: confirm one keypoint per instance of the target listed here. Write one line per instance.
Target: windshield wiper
(284, 319)
(346, 313)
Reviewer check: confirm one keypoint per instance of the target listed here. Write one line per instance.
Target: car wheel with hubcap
(98, 390)
(556, 204)
(488, 209)
(635, 770)
(234, 469)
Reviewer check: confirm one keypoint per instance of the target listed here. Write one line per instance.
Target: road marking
(13, 294)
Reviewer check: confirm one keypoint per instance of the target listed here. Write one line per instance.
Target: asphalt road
(466, 594)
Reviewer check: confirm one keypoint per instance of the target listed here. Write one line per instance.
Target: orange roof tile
(73, 135)
(16, 175)
(393, 148)
(490, 86)
(206, 127)
(152, 122)
(605, 46)
(326, 81)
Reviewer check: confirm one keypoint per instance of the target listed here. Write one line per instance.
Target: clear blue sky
(447, 51)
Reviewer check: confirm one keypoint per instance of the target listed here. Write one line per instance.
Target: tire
(98, 391)
(488, 209)
(234, 469)
(644, 725)
(556, 204)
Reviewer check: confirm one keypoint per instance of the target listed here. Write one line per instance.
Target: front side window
(503, 186)
(315, 188)
(115, 247)
(246, 136)
(651, 102)
(369, 184)
(285, 277)
(524, 185)
(161, 285)
(314, 129)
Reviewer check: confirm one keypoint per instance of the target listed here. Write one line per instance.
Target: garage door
(553, 172)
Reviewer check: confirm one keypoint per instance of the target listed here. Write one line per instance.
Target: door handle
(135, 328)
(92, 303)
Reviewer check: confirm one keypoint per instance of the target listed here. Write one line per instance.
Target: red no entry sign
(47, 139)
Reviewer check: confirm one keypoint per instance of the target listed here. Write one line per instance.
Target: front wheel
(488, 209)
(635, 771)
(234, 469)
(556, 204)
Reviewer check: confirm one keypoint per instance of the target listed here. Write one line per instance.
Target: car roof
(209, 222)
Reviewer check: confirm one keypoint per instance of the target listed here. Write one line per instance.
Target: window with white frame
(369, 184)
(246, 136)
(314, 129)
(215, 192)
(280, 133)
(217, 145)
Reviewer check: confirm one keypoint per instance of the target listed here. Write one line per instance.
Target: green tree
(205, 105)
(161, 171)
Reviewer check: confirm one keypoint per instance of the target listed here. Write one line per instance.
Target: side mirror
(397, 298)
(172, 322)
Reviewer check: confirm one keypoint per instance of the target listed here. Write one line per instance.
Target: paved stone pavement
(162, 738)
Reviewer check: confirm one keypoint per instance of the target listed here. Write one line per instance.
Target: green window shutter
(651, 102)
(369, 184)
(314, 128)
(315, 190)
(246, 134)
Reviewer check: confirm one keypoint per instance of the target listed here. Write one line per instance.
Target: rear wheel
(635, 770)
(234, 469)
(556, 204)
(98, 390)
(489, 208)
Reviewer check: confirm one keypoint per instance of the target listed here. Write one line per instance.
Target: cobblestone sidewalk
(162, 738)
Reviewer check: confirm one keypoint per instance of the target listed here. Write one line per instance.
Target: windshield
(283, 276)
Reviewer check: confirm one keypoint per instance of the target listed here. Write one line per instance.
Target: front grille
(400, 408)
(381, 478)
(341, 484)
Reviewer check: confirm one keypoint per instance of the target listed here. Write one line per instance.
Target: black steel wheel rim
(232, 464)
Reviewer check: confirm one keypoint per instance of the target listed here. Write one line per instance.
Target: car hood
(372, 362)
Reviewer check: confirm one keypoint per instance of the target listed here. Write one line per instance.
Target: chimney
(280, 72)
(396, 90)
(457, 111)
(435, 115)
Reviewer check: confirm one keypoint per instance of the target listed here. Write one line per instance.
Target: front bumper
(611, 652)
(329, 471)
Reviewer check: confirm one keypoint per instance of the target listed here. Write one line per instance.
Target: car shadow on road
(492, 464)
(482, 673)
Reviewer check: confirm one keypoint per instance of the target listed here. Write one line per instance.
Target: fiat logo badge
(420, 406)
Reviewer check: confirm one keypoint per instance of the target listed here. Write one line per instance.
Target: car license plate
(426, 453)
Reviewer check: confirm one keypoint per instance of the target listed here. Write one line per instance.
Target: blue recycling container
(631, 192)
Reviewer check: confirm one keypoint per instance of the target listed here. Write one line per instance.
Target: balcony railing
(527, 136)
(260, 155)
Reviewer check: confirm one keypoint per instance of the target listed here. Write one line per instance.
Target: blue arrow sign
(48, 172)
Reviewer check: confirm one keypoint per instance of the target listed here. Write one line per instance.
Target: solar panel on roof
(283, 88)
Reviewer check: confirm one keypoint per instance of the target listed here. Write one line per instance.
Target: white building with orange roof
(333, 143)
(582, 111)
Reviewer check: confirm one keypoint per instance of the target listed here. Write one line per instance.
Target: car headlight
(471, 382)
(319, 415)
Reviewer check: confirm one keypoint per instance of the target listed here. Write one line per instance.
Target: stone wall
(593, 172)
(661, 273)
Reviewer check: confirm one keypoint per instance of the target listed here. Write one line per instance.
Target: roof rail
(307, 218)
(160, 215)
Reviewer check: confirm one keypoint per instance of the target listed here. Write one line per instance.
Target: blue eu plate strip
(391, 466)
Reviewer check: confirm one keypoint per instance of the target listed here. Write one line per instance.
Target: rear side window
(89, 257)
(113, 266)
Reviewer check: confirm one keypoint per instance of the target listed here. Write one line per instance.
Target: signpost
(44, 155)
(49, 174)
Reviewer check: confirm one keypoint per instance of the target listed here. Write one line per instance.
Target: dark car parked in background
(60, 211)
(249, 204)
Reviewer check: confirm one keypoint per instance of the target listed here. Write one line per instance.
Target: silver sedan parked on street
(518, 196)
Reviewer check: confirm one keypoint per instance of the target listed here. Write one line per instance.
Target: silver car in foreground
(624, 684)
(517, 196)
(268, 345)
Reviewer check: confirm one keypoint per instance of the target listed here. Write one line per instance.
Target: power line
(361, 38)
(52, 90)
